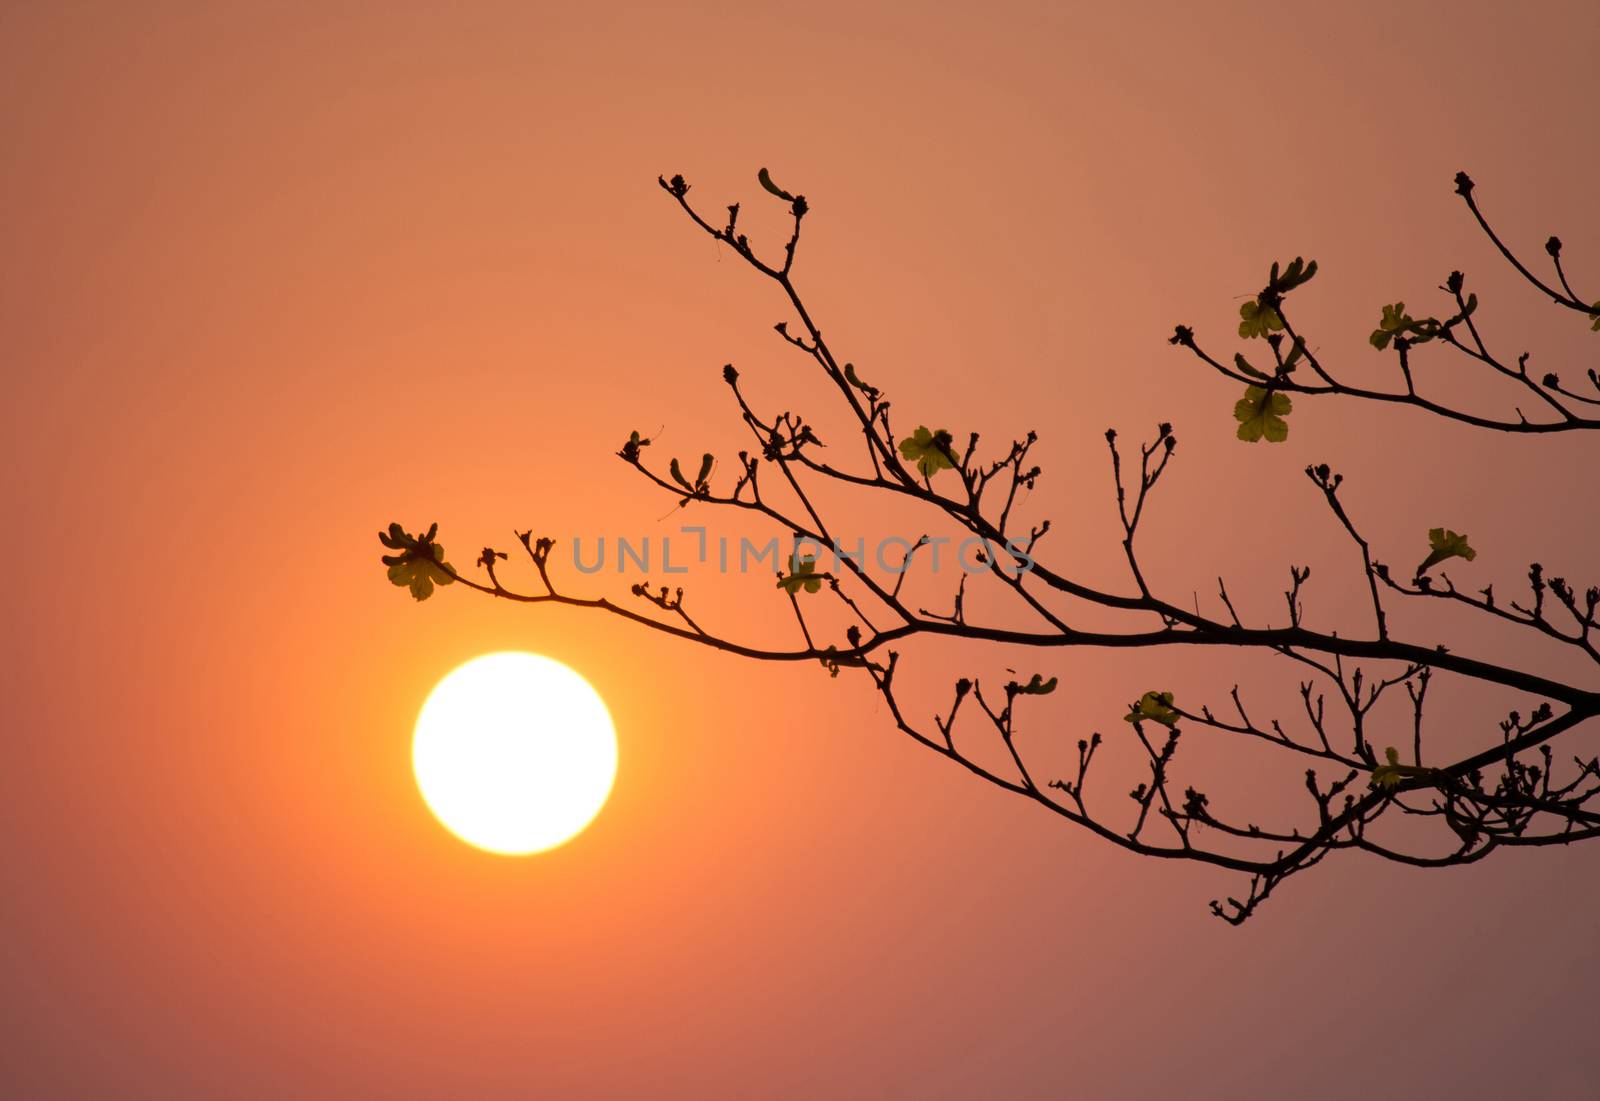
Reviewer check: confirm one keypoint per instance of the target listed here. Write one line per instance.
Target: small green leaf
(1595, 317)
(855, 380)
(630, 449)
(677, 475)
(1260, 415)
(1037, 686)
(931, 451)
(802, 575)
(1389, 775)
(1257, 319)
(1297, 274)
(1155, 707)
(1445, 544)
(766, 182)
(830, 660)
(705, 471)
(1394, 322)
(1245, 367)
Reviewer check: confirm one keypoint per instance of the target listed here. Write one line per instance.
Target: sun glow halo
(514, 753)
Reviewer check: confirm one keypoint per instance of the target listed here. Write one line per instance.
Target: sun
(514, 752)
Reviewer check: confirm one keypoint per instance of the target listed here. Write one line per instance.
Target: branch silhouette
(1507, 795)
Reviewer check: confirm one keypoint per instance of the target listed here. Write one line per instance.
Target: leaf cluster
(1445, 544)
(1155, 707)
(420, 565)
(802, 576)
(931, 451)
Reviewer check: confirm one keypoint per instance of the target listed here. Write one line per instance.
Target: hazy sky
(275, 276)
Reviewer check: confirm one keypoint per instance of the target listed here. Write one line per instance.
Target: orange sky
(274, 278)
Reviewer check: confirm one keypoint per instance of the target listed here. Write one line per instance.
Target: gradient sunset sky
(276, 275)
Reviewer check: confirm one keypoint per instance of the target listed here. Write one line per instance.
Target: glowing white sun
(514, 753)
